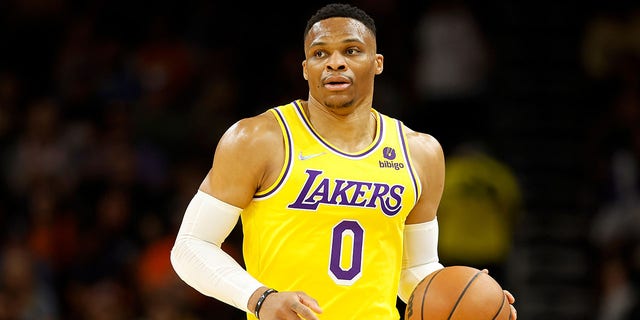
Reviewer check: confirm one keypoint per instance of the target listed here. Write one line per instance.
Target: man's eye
(319, 54)
(352, 51)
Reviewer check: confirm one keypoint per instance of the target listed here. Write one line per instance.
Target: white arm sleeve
(198, 259)
(419, 257)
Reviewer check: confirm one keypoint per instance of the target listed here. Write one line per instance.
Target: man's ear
(304, 70)
(379, 63)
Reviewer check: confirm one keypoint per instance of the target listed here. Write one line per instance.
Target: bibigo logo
(390, 154)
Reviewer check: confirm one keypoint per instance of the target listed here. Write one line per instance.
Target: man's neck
(351, 129)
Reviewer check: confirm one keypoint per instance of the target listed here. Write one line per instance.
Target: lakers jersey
(332, 224)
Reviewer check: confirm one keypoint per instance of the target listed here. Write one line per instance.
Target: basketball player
(337, 201)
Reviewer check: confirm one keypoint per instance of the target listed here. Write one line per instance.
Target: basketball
(458, 293)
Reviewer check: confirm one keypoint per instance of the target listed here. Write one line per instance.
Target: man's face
(341, 62)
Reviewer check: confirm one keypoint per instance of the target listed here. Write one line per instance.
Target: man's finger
(510, 297)
(304, 311)
(310, 302)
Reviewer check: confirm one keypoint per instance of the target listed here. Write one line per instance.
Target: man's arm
(238, 170)
(248, 158)
(197, 256)
(420, 256)
(428, 158)
(420, 245)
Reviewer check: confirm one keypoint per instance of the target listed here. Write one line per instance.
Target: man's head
(341, 10)
(341, 60)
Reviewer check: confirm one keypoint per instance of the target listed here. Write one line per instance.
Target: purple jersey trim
(289, 161)
(323, 142)
(405, 151)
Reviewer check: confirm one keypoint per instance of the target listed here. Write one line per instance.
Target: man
(328, 189)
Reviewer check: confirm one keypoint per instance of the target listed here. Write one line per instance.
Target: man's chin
(338, 102)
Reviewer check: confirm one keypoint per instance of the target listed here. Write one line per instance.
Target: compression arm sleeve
(198, 258)
(419, 257)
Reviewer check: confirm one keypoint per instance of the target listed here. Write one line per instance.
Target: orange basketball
(458, 293)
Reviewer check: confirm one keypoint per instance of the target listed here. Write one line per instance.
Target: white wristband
(420, 255)
(198, 259)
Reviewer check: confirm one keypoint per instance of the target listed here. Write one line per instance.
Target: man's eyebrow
(321, 43)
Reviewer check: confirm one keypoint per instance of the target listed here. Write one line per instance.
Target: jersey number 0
(347, 237)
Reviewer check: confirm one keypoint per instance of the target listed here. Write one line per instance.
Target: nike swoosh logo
(307, 157)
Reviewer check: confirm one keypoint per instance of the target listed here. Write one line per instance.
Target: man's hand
(289, 305)
(510, 298)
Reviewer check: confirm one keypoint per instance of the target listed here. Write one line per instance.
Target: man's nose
(336, 62)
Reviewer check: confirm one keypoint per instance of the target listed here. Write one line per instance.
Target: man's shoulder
(415, 139)
(256, 132)
(422, 144)
(260, 126)
(266, 117)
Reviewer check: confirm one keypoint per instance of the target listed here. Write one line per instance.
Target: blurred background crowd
(110, 112)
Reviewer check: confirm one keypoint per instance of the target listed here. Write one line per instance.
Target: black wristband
(261, 300)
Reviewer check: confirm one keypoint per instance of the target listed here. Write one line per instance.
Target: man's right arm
(197, 256)
(236, 173)
(246, 160)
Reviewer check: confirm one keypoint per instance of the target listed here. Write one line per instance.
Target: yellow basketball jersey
(332, 224)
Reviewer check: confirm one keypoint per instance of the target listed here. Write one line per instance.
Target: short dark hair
(341, 10)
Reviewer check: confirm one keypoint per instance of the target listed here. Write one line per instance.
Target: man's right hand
(286, 305)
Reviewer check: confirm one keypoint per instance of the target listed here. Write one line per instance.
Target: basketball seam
(500, 308)
(424, 296)
(462, 294)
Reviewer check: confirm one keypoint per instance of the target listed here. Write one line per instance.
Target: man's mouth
(336, 83)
